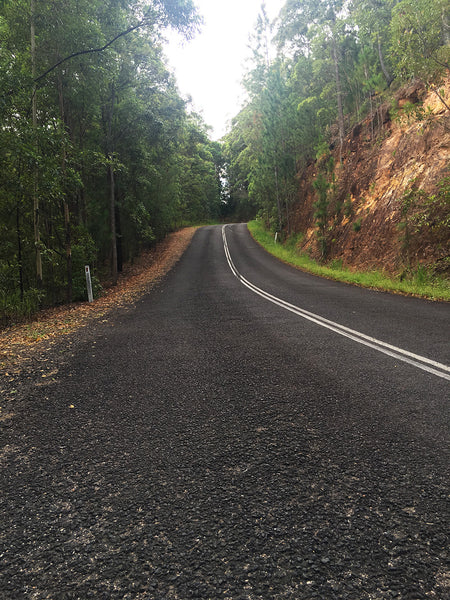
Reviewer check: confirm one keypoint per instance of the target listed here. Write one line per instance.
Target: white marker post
(89, 284)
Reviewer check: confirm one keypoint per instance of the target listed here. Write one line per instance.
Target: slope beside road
(209, 443)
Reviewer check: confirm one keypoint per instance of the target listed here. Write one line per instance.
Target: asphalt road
(208, 443)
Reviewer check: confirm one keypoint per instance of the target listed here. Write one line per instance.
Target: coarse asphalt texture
(206, 443)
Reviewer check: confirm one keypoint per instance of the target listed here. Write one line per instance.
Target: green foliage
(408, 203)
(357, 225)
(419, 39)
(111, 160)
(293, 241)
(348, 207)
(335, 61)
(336, 264)
(422, 275)
(421, 282)
(322, 151)
(434, 212)
(423, 214)
(13, 306)
(84, 252)
(411, 113)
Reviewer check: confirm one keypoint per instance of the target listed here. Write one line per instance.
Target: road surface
(245, 431)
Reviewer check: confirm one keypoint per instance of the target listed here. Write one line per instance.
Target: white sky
(210, 68)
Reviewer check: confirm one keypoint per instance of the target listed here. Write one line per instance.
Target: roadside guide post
(89, 283)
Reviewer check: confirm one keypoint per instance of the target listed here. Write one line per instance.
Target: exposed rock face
(383, 157)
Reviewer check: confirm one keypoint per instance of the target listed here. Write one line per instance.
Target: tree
(335, 60)
(93, 131)
(373, 18)
(319, 25)
(420, 43)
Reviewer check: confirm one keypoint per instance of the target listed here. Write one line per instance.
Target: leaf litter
(23, 342)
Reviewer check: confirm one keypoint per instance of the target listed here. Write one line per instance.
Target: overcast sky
(210, 67)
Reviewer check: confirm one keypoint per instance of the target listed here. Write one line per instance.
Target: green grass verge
(420, 284)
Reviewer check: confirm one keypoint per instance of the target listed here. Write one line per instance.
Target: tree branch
(91, 51)
(438, 94)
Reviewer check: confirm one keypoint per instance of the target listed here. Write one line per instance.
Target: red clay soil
(381, 158)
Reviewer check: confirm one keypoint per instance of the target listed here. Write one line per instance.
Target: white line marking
(416, 360)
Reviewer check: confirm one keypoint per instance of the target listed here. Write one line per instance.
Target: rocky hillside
(389, 188)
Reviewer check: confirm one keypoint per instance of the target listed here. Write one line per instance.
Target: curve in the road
(421, 362)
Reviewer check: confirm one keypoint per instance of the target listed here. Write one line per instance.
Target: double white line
(431, 366)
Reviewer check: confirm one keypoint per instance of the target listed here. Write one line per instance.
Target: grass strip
(421, 284)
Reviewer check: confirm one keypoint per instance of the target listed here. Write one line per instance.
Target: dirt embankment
(393, 150)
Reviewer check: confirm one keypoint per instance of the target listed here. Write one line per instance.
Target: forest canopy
(337, 61)
(100, 156)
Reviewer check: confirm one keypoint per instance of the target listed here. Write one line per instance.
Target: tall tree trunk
(37, 235)
(119, 245)
(112, 185)
(68, 240)
(112, 223)
(371, 104)
(386, 73)
(277, 190)
(445, 27)
(19, 250)
(341, 125)
(288, 217)
(67, 224)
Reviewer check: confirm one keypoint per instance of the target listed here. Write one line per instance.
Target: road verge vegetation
(420, 283)
(33, 335)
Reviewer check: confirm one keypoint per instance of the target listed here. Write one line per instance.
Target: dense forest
(338, 62)
(99, 155)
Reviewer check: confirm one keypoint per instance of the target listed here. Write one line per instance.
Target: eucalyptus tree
(32, 133)
(320, 25)
(238, 160)
(264, 102)
(373, 19)
(200, 186)
(420, 31)
(86, 100)
(279, 132)
(124, 63)
(264, 144)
